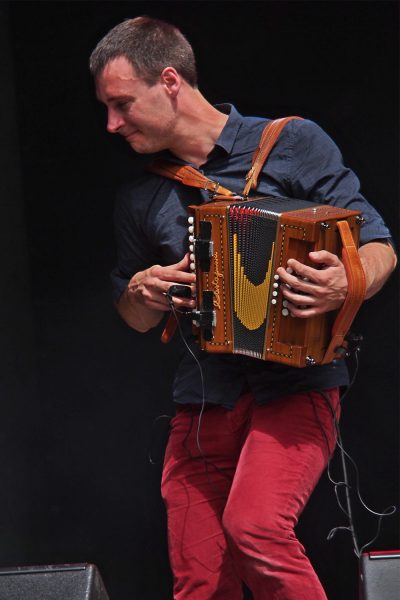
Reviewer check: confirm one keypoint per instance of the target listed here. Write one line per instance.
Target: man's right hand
(145, 298)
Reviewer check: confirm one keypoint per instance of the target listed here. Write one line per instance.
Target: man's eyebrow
(119, 98)
(115, 98)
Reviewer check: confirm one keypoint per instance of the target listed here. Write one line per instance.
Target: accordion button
(191, 248)
(274, 293)
(273, 301)
(276, 285)
(289, 270)
(190, 220)
(285, 312)
(285, 303)
(191, 229)
(191, 238)
(192, 267)
(192, 257)
(276, 277)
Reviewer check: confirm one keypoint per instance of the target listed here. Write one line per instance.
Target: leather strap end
(169, 329)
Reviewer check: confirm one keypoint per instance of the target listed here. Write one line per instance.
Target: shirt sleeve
(134, 253)
(317, 173)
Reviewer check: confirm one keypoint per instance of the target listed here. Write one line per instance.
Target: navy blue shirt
(151, 228)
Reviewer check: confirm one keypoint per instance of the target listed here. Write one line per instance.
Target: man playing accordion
(250, 438)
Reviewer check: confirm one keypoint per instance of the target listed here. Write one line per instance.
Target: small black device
(180, 291)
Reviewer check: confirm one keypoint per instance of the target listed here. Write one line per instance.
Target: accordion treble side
(236, 247)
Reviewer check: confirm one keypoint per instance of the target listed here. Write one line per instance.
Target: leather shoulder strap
(188, 176)
(192, 177)
(268, 140)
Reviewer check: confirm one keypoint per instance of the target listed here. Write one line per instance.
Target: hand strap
(355, 292)
(188, 176)
(268, 140)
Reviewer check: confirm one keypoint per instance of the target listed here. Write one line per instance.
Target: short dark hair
(150, 45)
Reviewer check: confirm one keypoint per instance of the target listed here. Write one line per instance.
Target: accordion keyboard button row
(285, 310)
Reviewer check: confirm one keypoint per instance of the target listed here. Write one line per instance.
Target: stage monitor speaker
(380, 575)
(52, 582)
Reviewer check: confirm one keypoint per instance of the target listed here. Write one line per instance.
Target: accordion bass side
(236, 247)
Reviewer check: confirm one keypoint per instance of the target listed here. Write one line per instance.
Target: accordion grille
(249, 299)
(252, 235)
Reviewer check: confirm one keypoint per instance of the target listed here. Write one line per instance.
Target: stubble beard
(154, 138)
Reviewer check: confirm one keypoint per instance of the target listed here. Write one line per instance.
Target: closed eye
(123, 106)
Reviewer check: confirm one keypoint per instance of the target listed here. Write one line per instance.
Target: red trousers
(234, 489)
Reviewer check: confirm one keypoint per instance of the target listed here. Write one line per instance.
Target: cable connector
(354, 342)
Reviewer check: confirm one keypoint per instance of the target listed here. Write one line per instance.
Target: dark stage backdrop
(79, 390)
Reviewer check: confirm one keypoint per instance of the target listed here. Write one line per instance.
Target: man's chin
(142, 148)
(138, 148)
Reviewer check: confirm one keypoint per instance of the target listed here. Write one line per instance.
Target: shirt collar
(229, 133)
(226, 138)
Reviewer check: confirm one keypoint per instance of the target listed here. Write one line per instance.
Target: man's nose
(114, 121)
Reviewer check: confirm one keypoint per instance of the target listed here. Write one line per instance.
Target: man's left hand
(311, 291)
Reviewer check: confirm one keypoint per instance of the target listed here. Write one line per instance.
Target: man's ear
(171, 80)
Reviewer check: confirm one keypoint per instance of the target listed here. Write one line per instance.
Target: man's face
(144, 115)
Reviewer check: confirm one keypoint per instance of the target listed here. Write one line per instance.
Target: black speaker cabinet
(380, 575)
(52, 582)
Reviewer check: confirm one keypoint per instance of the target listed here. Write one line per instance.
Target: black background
(79, 390)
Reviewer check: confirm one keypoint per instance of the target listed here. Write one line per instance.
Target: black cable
(338, 485)
(206, 462)
(203, 395)
(345, 483)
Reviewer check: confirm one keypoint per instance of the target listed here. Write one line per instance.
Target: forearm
(378, 260)
(136, 315)
(145, 299)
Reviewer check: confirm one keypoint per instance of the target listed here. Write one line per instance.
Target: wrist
(131, 291)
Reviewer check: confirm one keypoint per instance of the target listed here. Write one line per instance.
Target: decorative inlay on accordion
(236, 247)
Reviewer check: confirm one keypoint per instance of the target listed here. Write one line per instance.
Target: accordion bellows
(236, 247)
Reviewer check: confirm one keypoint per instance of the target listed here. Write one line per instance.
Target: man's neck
(198, 128)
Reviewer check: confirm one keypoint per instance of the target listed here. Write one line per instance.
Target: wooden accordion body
(236, 246)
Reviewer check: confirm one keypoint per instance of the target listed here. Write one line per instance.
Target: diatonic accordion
(236, 247)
